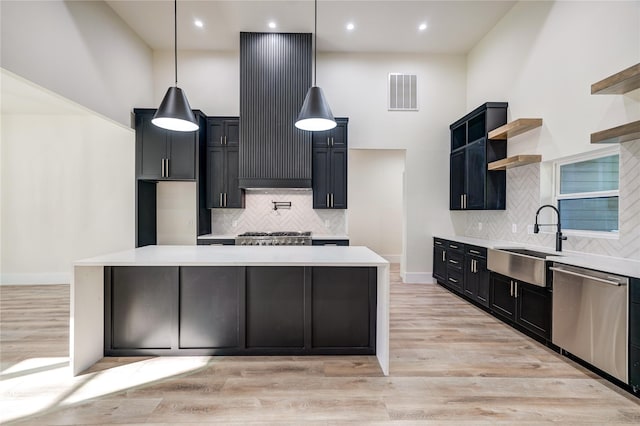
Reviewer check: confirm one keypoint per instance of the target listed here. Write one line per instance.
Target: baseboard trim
(35, 279)
(417, 278)
(392, 258)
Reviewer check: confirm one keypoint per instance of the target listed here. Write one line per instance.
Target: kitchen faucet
(559, 237)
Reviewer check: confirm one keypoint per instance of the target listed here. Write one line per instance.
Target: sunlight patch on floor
(39, 384)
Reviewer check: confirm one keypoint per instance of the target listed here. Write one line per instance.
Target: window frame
(591, 155)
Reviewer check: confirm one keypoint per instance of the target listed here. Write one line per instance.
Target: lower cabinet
(329, 242)
(210, 307)
(198, 310)
(476, 275)
(143, 311)
(439, 260)
(634, 334)
(525, 304)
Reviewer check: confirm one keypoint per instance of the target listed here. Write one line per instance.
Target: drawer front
(455, 261)
(439, 242)
(476, 251)
(454, 280)
(455, 246)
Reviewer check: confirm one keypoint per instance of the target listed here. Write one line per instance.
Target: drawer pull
(452, 246)
(453, 280)
(455, 262)
(474, 251)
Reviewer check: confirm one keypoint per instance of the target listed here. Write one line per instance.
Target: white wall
(375, 200)
(356, 87)
(81, 50)
(211, 80)
(542, 58)
(67, 193)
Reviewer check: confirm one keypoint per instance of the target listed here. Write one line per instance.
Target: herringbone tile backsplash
(259, 215)
(523, 199)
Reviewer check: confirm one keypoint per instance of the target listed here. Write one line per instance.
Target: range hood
(275, 74)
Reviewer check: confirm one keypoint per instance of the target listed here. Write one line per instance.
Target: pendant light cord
(315, 44)
(175, 39)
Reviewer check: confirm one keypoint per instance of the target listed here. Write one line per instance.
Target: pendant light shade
(175, 112)
(315, 114)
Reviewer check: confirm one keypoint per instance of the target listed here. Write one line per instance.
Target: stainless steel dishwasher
(591, 316)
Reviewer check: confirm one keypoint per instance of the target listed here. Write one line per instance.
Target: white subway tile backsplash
(523, 199)
(259, 215)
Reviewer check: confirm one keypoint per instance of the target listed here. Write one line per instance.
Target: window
(587, 192)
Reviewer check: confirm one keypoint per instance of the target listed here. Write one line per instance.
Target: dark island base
(228, 310)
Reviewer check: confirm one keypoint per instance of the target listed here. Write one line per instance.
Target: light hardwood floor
(451, 363)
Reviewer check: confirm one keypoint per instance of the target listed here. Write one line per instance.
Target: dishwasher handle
(619, 281)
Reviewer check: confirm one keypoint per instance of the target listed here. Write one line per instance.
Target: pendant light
(174, 112)
(315, 114)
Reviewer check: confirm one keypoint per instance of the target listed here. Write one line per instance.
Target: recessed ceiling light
(272, 25)
(198, 23)
(422, 26)
(350, 26)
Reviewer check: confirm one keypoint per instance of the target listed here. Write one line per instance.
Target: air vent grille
(403, 92)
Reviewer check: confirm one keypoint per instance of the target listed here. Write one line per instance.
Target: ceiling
(453, 27)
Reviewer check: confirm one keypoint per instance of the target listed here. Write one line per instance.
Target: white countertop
(610, 264)
(216, 237)
(239, 256)
(232, 237)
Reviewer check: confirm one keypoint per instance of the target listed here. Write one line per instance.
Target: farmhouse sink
(521, 264)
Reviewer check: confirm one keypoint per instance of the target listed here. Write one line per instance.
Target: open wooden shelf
(515, 128)
(618, 83)
(515, 161)
(625, 133)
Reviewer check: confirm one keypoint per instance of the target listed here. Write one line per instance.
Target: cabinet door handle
(332, 199)
(332, 141)
(168, 172)
(515, 290)
(473, 266)
(328, 141)
(511, 291)
(162, 171)
(225, 141)
(221, 199)
(221, 140)
(328, 205)
(443, 255)
(225, 199)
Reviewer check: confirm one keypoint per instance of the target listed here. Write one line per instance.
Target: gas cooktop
(279, 238)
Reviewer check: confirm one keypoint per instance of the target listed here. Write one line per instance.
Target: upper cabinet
(223, 142)
(618, 84)
(329, 167)
(472, 185)
(163, 154)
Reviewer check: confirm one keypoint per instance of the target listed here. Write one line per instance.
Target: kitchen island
(230, 300)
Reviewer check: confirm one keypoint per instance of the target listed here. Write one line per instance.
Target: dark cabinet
(476, 275)
(216, 242)
(329, 242)
(440, 260)
(472, 186)
(455, 264)
(223, 140)
(525, 304)
(341, 308)
(210, 308)
(275, 307)
(329, 167)
(143, 307)
(501, 298)
(243, 310)
(163, 154)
